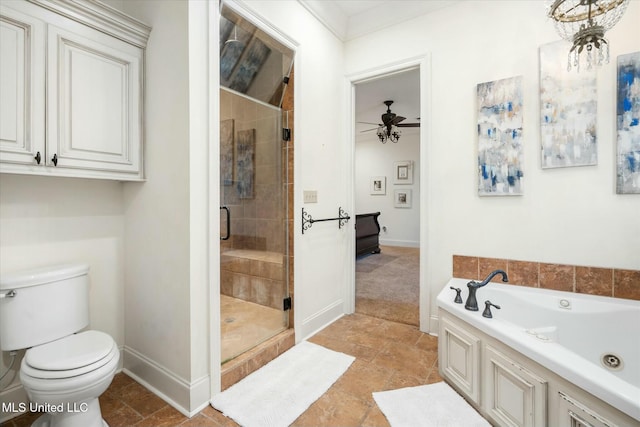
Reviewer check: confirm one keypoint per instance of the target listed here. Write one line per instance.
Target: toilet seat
(70, 356)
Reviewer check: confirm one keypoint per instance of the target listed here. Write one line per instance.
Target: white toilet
(63, 372)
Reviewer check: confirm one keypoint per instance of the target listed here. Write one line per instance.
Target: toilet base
(81, 414)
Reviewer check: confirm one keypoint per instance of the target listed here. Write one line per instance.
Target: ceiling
(348, 19)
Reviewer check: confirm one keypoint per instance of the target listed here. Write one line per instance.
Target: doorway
(421, 65)
(387, 181)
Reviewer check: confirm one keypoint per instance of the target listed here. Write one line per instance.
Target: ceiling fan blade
(368, 130)
(369, 123)
(408, 125)
(397, 120)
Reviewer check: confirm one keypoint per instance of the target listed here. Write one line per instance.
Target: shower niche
(254, 183)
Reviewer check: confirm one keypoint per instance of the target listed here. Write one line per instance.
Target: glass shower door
(253, 260)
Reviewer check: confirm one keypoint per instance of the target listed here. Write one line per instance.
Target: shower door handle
(226, 209)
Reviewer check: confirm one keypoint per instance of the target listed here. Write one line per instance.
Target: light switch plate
(310, 196)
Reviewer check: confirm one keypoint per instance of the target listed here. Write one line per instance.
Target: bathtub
(572, 335)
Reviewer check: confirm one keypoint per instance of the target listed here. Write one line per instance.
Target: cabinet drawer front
(21, 87)
(96, 84)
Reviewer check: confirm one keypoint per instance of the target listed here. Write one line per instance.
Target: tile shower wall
(610, 282)
(256, 222)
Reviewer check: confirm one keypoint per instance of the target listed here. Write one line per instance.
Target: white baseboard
(187, 398)
(434, 324)
(320, 320)
(403, 243)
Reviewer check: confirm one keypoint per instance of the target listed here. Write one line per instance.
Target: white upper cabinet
(87, 61)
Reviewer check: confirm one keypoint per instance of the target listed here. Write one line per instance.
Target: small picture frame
(403, 172)
(378, 185)
(402, 198)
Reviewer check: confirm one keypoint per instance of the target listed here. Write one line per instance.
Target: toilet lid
(72, 352)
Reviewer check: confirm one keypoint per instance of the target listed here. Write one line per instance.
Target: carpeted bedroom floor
(387, 284)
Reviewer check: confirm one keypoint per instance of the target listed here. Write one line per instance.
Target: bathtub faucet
(472, 302)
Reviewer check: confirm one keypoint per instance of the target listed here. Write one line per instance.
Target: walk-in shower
(254, 258)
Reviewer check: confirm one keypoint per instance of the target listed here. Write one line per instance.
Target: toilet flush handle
(9, 294)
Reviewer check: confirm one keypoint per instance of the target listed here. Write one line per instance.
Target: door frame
(428, 322)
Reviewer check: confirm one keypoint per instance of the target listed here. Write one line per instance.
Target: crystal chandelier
(388, 133)
(583, 23)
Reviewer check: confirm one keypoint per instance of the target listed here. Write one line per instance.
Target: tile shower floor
(388, 356)
(244, 324)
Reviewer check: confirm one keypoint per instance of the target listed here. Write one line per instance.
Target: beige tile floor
(388, 356)
(245, 324)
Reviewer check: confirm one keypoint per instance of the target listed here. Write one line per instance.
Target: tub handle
(458, 299)
(9, 294)
(487, 309)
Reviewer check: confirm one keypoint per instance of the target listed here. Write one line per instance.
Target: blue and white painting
(628, 118)
(568, 110)
(500, 137)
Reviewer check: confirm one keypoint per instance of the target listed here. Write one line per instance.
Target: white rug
(433, 405)
(276, 394)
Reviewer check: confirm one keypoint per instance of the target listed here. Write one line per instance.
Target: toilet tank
(47, 304)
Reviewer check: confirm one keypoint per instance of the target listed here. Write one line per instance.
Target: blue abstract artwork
(500, 137)
(628, 123)
(568, 110)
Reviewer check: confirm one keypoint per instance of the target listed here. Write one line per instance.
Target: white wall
(158, 218)
(322, 254)
(569, 215)
(46, 221)
(375, 159)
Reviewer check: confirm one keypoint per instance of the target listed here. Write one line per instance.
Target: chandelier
(583, 23)
(388, 133)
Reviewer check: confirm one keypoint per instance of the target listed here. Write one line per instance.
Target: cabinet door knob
(54, 159)
(38, 157)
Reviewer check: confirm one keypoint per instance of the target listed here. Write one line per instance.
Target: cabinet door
(94, 90)
(459, 358)
(512, 395)
(22, 76)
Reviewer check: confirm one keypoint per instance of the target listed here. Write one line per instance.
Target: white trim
(215, 338)
(403, 243)
(101, 17)
(176, 391)
(319, 320)
(423, 63)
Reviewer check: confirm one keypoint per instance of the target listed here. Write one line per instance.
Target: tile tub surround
(612, 282)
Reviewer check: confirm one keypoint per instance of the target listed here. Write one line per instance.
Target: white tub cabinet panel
(510, 389)
(459, 359)
(573, 413)
(512, 395)
(22, 76)
(91, 73)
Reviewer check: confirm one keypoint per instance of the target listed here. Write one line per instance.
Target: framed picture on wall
(378, 185)
(403, 172)
(402, 198)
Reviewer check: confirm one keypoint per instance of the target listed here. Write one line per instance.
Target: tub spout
(472, 302)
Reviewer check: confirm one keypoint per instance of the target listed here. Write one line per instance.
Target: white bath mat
(433, 405)
(276, 394)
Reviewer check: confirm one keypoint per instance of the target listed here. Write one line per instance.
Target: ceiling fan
(388, 129)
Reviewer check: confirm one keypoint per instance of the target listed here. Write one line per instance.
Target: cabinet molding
(101, 17)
